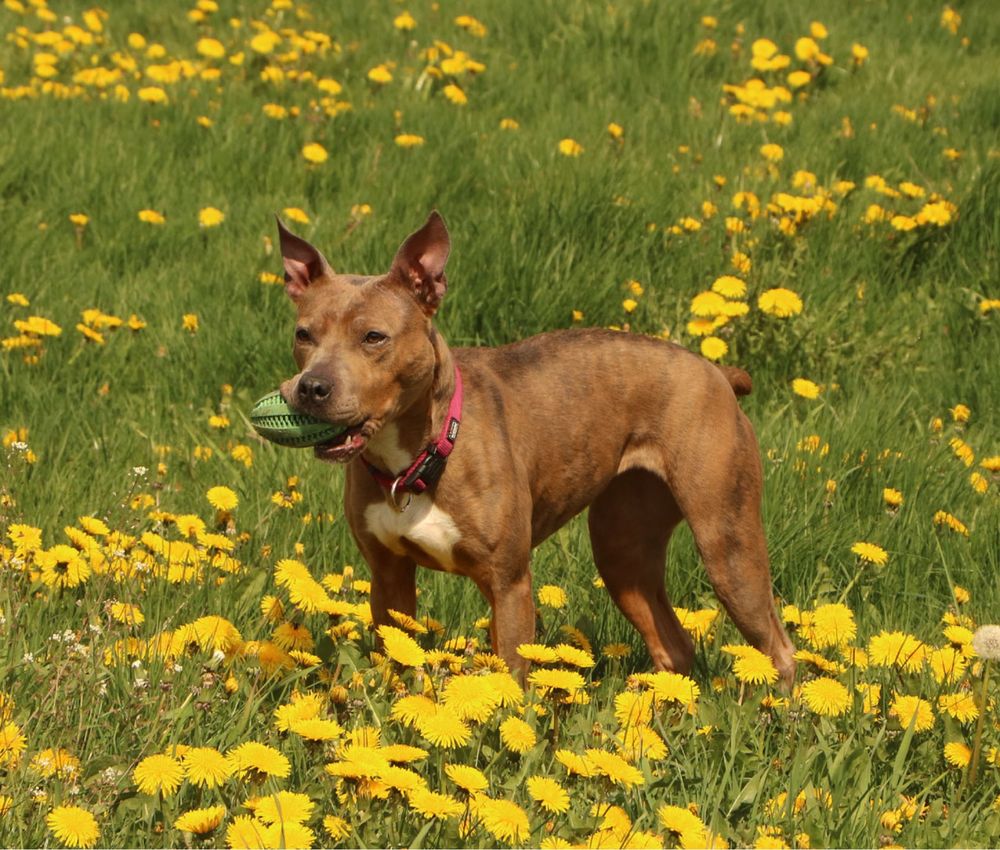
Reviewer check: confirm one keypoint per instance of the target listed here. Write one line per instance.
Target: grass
(896, 329)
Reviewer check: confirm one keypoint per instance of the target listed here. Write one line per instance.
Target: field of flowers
(187, 656)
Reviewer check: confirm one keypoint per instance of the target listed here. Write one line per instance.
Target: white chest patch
(423, 524)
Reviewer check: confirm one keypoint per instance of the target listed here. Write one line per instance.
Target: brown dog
(641, 431)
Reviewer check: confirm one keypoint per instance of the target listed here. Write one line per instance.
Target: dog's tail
(738, 379)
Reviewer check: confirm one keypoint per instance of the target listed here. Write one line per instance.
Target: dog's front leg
(507, 587)
(394, 585)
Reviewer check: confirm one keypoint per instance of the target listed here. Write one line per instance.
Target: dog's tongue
(341, 448)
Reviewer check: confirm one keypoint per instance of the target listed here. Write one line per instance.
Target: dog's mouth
(347, 445)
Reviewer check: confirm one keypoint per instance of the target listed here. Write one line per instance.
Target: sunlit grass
(186, 632)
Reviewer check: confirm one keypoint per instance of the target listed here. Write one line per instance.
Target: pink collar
(429, 464)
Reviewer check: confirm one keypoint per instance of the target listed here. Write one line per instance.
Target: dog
(464, 460)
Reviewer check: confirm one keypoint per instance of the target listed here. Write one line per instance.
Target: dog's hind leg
(630, 526)
(722, 506)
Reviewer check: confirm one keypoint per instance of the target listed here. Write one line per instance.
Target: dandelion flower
(685, 824)
(73, 826)
(570, 147)
(469, 779)
(830, 625)
(470, 698)
(805, 388)
(552, 596)
(713, 348)
(957, 754)
(826, 696)
(404, 21)
(205, 766)
(400, 647)
(285, 807)
(780, 302)
(151, 217)
(409, 140)
(564, 680)
(870, 552)
(896, 649)
(244, 833)
(912, 710)
(201, 821)
(772, 152)
(62, 566)
(504, 820)
(222, 498)
(431, 804)
(516, 735)
(548, 793)
(444, 729)
(336, 827)
(315, 153)
(296, 214)
(892, 497)
(210, 217)
(962, 706)
(158, 774)
(210, 48)
(615, 768)
(455, 94)
(752, 666)
(412, 708)
(729, 286)
(257, 759)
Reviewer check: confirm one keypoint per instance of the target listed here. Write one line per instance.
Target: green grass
(892, 330)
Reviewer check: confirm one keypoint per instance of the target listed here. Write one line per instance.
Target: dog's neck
(402, 438)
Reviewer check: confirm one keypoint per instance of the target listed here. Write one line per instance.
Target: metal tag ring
(393, 499)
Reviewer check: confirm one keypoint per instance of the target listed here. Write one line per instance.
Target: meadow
(186, 654)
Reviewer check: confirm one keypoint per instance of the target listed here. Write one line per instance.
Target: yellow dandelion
(552, 596)
(504, 820)
(912, 710)
(73, 826)
(772, 152)
(805, 388)
(570, 147)
(409, 140)
(752, 666)
(444, 729)
(871, 553)
(400, 647)
(431, 804)
(961, 706)
(222, 498)
(896, 649)
(826, 696)
(315, 153)
(201, 821)
(957, 754)
(151, 217)
(469, 779)
(548, 793)
(713, 348)
(516, 735)
(158, 774)
(205, 766)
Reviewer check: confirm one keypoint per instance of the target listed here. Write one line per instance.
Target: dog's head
(363, 345)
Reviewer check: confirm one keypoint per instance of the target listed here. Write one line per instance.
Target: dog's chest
(421, 530)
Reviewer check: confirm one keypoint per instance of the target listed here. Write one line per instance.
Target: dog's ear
(420, 260)
(303, 263)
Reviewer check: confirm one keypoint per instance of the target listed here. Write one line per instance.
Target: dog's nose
(313, 389)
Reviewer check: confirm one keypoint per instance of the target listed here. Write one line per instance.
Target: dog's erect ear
(420, 260)
(303, 263)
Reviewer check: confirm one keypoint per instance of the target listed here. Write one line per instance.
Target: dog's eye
(374, 337)
(302, 335)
